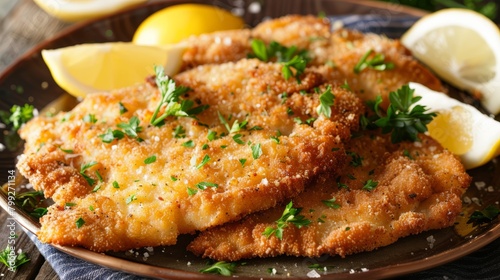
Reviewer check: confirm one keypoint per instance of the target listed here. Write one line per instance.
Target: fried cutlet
(334, 54)
(189, 173)
(385, 192)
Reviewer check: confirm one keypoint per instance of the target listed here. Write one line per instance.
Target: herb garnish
(13, 264)
(377, 63)
(484, 216)
(222, 268)
(403, 122)
(80, 222)
(17, 116)
(83, 168)
(150, 159)
(111, 135)
(204, 161)
(130, 199)
(370, 185)
(170, 97)
(122, 108)
(326, 100)
(290, 215)
(237, 126)
(89, 118)
(256, 151)
(292, 59)
(332, 203)
(132, 128)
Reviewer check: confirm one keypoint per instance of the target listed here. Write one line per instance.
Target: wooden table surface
(23, 25)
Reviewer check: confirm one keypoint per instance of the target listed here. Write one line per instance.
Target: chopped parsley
(132, 128)
(235, 127)
(179, 132)
(403, 118)
(111, 135)
(256, 151)
(242, 161)
(370, 185)
(222, 268)
(83, 168)
(130, 199)
(205, 185)
(150, 159)
(326, 100)
(377, 63)
(80, 222)
(204, 161)
(6, 257)
(116, 185)
(484, 216)
(188, 144)
(356, 159)
(89, 118)
(293, 61)
(290, 215)
(237, 139)
(332, 203)
(18, 115)
(122, 108)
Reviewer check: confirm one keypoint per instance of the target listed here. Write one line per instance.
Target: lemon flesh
(76, 10)
(87, 68)
(463, 48)
(178, 22)
(460, 127)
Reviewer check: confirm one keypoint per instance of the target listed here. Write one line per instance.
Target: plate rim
(148, 270)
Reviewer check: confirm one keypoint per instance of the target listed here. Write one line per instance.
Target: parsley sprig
(377, 62)
(290, 215)
(222, 268)
(326, 100)
(294, 61)
(403, 118)
(6, 258)
(170, 99)
(484, 216)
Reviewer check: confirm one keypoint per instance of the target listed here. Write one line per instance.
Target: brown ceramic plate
(408, 255)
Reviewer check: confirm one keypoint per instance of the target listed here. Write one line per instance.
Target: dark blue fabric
(483, 264)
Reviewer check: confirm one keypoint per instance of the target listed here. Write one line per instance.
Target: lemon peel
(463, 48)
(175, 23)
(76, 10)
(87, 68)
(482, 131)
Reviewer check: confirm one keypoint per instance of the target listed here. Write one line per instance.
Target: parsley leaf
(236, 125)
(484, 216)
(83, 168)
(11, 260)
(204, 161)
(292, 59)
(222, 268)
(111, 135)
(290, 215)
(150, 159)
(377, 63)
(326, 100)
(332, 203)
(18, 115)
(403, 119)
(370, 185)
(132, 128)
(256, 151)
(80, 222)
(170, 97)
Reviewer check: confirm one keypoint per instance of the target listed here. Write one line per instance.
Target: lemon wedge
(87, 68)
(460, 127)
(463, 48)
(76, 10)
(178, 22)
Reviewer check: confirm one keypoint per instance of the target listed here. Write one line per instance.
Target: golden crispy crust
(150, 208)
(333, 54)
(413, 195)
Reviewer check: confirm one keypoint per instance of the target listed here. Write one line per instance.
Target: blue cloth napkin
(483, 264)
